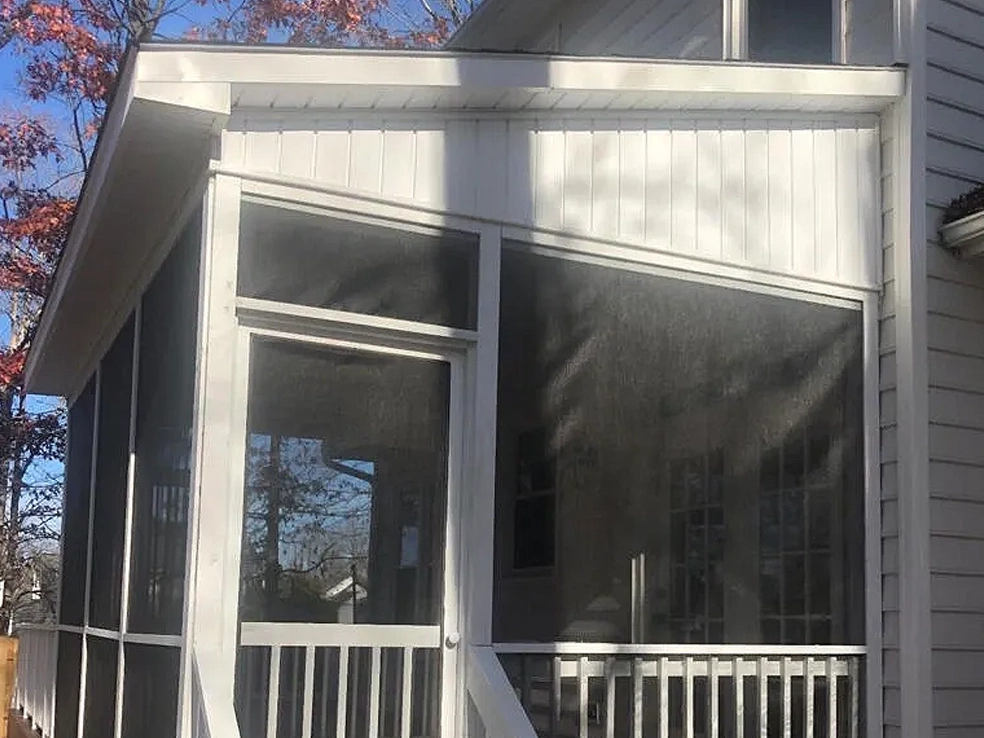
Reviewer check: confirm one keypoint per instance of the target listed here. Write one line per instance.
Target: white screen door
(347, 576)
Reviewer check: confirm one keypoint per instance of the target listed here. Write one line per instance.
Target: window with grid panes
(697, 548)
(796, 509)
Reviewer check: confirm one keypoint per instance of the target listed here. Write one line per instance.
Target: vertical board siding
(955, 303)
(791, 196)
(892, 716)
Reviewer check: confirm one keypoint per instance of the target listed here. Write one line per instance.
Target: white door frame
(362, 334)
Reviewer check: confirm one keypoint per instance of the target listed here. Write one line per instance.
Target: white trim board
(287, 76)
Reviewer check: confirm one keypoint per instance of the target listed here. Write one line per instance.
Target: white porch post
(478, 510)
(478, 544)
(216, 510)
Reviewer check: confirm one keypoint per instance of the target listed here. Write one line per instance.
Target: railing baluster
(714, 686)
(664, 697)
(610, 697)
(374, 669)
(582, 696)
(738, 682)
(295, 677)
(324, 692)
(555, 696)
(343, 679)
(526, 691)
(855, 696)
(787, 699)
(637, 698)
(307, 724)
(273, 692)
(688, 696)
(406, 695)
(831, 699)
(763, 685)
(808, 702)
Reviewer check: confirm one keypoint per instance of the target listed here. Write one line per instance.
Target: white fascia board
(209, 100)
(207, 97)
(85, 212)
(430, 70)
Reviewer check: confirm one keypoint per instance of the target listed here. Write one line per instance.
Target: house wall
(955, 321)
(715, 188)
(686, 29)
(889, 448)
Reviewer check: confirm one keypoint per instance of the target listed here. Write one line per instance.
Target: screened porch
(679, 518)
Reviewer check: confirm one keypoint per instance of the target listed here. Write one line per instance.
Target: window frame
(735, 27)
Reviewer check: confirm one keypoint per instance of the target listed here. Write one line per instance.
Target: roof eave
(193, 111)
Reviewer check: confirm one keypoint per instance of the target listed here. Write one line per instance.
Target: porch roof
(173, 99)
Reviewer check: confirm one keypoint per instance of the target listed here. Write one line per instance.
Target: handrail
(212, 716)
(319, 635)
(495, 699)
(573, 648)
(566, 688)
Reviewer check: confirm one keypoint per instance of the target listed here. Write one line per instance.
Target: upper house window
(791, 31)
(818, 32)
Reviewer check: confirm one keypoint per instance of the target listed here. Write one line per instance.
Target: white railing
(577, 690)
(211, 716)
(37, 663)
(313, 679)
(501, 713)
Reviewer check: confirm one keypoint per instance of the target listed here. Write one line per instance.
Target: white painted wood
(688, 696)
(555, 696)
(406, 700)
(478, 563)
(343, 680)
(722, 188)
(34, 691)
(372, 73)
(609, 698)
(667, 649)
(763, 695)
(307, 707)
(273, 693)
(664, 695)
(490, 691)
(582, 696)
(211, 715)
(320, 635)
(374, 686)
(787, 702)
(215, 517)
(808, 703)
(269, 313)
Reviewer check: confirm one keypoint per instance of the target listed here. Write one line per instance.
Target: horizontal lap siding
(718, 189)
(955, 300)
(889, 471)
(687, 29)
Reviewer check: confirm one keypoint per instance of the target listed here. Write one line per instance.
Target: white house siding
(889, 451)
(719, 189)
(955, 159)
(688, 29)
